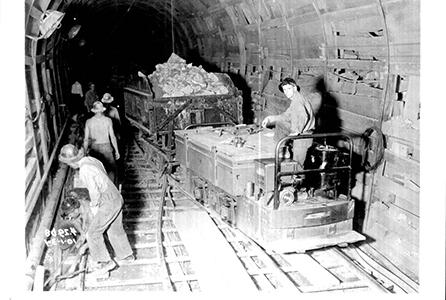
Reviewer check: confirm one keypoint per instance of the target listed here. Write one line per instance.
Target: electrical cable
(171, 25)
(386, 88)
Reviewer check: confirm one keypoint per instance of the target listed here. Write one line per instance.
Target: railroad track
(163, 262)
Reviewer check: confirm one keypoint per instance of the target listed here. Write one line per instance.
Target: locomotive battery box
(304, 225)
(213, 154)
(195, 150)
(264, 172)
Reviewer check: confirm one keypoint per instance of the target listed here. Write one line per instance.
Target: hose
(378, 147)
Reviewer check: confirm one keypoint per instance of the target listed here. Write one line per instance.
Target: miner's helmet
(107, 98)
(69, 205)
(70, 154)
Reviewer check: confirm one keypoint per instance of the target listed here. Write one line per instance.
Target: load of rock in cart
(176, 78)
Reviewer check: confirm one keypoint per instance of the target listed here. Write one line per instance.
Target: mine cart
(161, 115)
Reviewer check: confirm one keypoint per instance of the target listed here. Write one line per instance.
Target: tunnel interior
(357, 61)
(120, 39)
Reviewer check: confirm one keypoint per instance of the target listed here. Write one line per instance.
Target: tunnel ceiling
(129, 34)
(284, 35)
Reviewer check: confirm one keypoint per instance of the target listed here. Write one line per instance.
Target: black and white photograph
(226, 148)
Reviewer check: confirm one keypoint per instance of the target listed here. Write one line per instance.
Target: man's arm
(113, 138)
(116, 116)
(86, 136)
(86, 100)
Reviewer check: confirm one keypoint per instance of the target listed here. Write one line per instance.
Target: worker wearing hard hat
(106, 204)
(113, 113)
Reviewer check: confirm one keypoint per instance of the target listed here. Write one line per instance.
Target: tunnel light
(49, 22)
(74, 31)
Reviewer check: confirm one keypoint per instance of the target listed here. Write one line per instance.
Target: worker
(298, 119)
(112, 113)
(106, 206)
(90, 96)
(100, 140)
(76, 98)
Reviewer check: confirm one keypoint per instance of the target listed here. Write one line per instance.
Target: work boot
(104, 267)
(126, 260)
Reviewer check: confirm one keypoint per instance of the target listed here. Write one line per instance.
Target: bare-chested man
(100, 139)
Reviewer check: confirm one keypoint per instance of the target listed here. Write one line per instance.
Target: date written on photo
(65, 236)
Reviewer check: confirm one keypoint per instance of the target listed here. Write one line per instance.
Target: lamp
(49, 22)
(74, 31)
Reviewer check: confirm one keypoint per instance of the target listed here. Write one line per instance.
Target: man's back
(99, 129)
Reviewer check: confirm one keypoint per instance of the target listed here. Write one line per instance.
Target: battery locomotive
(246, 176)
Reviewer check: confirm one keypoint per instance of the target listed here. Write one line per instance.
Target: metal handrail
(191, 126)
(278, 174)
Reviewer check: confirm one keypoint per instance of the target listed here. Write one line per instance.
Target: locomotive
(243, 174)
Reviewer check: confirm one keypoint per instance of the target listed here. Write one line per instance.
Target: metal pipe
(38, 244)
(29, 208)
(278, 174)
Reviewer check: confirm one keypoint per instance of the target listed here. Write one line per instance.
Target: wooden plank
(398, 195)
(356, 64)
(396, 220)
(358, 53)
(311, 270)
(403, 149)
(412, 103)
(211, 254)
(403, 20)
(405, 50)
(396, 244)
(353, 122)
(250, 15)
(398, 252)
(398, 129)
(334, 5)
(369, 13)
(360, 41)
(402, 169)
(372, 255)
(363, 106)
(295, 21)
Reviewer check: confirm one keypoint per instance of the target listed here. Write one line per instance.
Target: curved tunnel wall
(357, 60)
